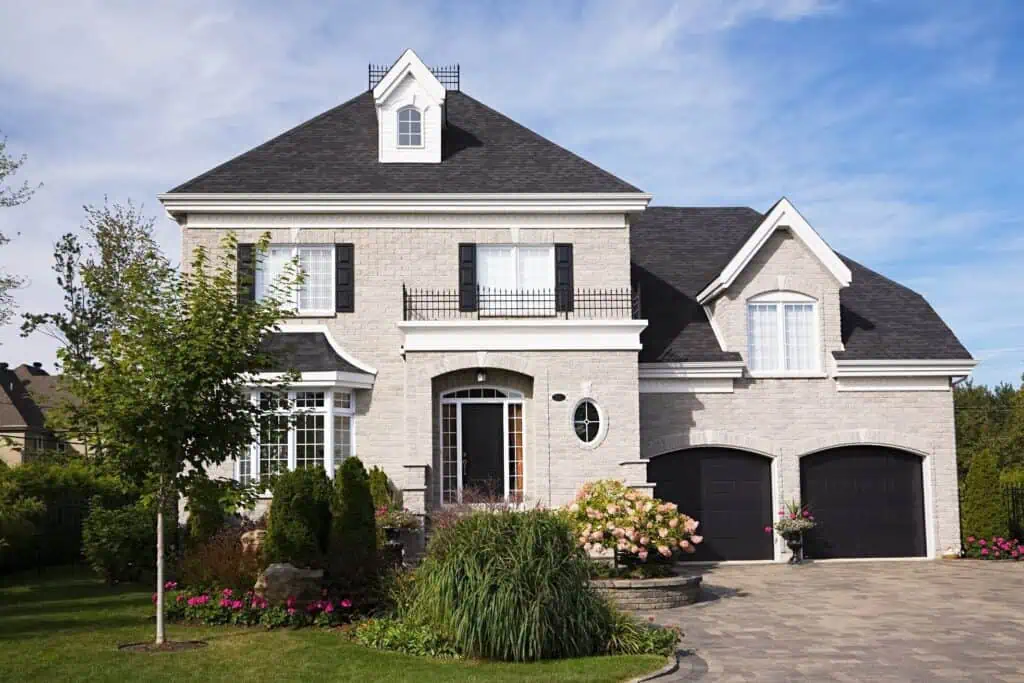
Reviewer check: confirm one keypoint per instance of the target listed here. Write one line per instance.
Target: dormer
(409, 101)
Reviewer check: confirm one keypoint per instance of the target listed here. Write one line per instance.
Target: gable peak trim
(408, 64)
(783, 215)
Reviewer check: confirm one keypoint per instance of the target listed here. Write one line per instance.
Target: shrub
(219, 561)
(995, 548)
(119, 543)
(300, 518)
(64, 485)
(211, 502)
(984, 514)
(18, 514)
(353, 526)
(401, 636)
(629, 636)
(511, 586)
(380, 489)
(608, 514)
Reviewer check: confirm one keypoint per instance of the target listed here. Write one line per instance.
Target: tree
(353, 543)
(166, 394)
(984, 514)
(10, 196)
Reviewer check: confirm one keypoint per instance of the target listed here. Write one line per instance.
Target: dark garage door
(868, 502)
(728, 491)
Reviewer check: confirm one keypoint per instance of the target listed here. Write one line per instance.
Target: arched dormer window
(410, 127)
(782, 334)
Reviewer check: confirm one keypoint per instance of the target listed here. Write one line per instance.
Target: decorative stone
(280, 581)
(252, 541)
(648, 594)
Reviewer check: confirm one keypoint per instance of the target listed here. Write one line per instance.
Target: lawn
(66, 626)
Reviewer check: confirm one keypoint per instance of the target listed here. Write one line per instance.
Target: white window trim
(780, 299)
(602, 427)
(329, 411)
(398, 127)
(294, 303)
(511, 397)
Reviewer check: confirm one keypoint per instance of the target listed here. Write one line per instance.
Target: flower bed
(996, 548)
(230, 607)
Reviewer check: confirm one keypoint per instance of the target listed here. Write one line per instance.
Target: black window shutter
(563, 278)
(344, 278)
(467, 277)
(246, 262)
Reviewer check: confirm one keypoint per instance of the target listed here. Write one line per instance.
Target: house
(28, 393)
(484, 310)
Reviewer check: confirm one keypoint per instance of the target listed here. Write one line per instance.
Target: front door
(483, 450)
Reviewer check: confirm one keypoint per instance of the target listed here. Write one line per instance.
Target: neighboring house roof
(29, 391)
(677, 251)
(484, 151)
(305, 352)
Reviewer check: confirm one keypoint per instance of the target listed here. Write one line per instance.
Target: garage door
(728, 491)
(868, 502)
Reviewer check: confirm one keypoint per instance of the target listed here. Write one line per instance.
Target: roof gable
(409, 65)
(483, 151)
(783, 215)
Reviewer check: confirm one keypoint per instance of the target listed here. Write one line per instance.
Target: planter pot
(796, 546)
(391, 533)
(647, 594)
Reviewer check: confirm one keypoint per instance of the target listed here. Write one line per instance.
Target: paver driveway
(949, 620)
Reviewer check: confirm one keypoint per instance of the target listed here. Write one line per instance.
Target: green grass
(66, 626)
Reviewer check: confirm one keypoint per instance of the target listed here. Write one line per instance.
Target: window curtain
(762, 323)
(799, 335)
(536, 269)
(270, 270)
(496, 267)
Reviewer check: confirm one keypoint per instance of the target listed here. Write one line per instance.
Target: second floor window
(410, 127)
(782, 335)
(316, 294)
(515, 267)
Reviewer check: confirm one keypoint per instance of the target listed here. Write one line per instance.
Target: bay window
(316, 293)
(300, 429)
(782, 334)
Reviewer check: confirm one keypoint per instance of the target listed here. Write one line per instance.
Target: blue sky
(897, 128)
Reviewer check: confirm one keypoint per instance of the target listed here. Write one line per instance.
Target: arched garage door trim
(863, 437)
(889, 440)
(680, 441)
(774, 473)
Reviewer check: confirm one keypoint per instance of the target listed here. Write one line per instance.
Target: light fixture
(481, 376)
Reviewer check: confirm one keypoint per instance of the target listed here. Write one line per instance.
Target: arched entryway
(868, 502)
(729, 491)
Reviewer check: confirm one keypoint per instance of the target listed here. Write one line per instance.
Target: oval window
(587, 421)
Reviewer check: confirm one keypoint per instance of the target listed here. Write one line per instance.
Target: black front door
(728, 491)
(483, 469)
(868, 501)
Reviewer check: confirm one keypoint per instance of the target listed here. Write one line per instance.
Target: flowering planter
(648, 594)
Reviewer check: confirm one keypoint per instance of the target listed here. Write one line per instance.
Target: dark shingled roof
(336, 152)
(29, 393)
(305, 352)
(677, 251)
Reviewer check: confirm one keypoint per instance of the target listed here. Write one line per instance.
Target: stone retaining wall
(648, 594)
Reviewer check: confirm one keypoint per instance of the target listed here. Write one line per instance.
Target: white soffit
(782, 215)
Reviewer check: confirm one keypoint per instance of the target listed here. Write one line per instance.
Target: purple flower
(807, 513)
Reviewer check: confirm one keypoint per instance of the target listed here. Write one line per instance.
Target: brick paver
(949, 620)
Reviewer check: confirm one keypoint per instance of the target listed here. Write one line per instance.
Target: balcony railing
(485, 303)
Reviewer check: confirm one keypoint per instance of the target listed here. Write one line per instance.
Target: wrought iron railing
(577, 304)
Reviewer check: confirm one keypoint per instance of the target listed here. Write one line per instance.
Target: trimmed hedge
(984, 513)
(299, 523)
(353, 524)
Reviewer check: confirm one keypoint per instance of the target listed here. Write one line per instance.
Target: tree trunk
(160, 573)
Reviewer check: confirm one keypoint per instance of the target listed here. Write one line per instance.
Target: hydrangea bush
(995, 548)
(231, 607)
(608, 514)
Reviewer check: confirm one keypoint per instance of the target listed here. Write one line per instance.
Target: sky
(895, 127)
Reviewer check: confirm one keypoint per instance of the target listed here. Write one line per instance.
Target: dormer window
(782, 334)
(410, 127)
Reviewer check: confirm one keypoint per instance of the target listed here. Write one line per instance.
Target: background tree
(10, 196)
(984, 514)
(992, 420)
(166, 394)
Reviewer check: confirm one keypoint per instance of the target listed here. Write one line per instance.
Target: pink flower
(807, 513)
(996, 554)
(982, 543)
(291, 610)
(154, 598)
(290, 602)
(329, 608)
(984, 551)
(999, 540)
(1014, 554)
(642, 554)
(224, 602)
(346, 603)
(613, 509)
(180, 598)
(663, 532)
(684, 544)
(767, 529)
(237, 604)
(227, 592)
(792, 515)
(170, 585)
(970, 539)
(696, 539)
(663, 549)
(673, 522)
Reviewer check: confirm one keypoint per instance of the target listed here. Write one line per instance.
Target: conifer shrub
(984, 512)
(299, 523)
(353, 542)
